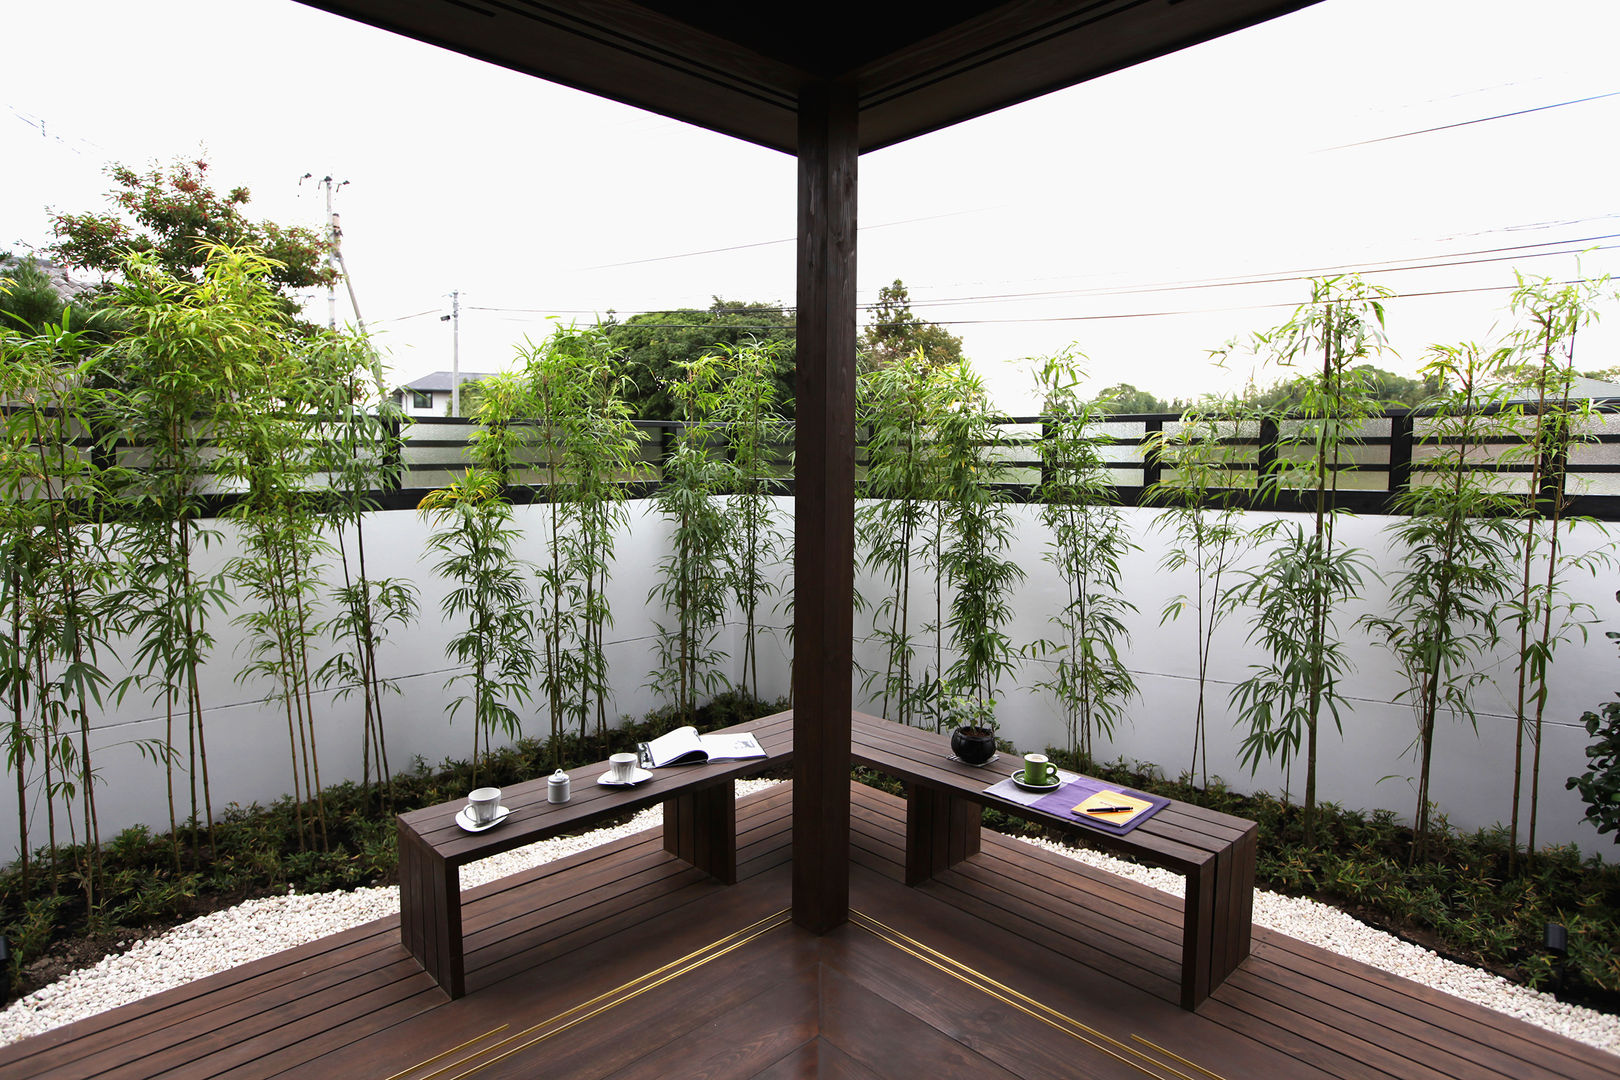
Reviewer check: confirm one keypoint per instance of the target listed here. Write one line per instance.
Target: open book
(684, 746)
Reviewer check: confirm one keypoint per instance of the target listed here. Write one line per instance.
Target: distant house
(1582, 388)
(430, 395)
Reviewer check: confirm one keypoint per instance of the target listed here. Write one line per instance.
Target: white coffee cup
(623, 767)
(484, 802)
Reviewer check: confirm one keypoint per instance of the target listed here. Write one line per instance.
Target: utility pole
(455, 353)
(331, 257)
(335, 264)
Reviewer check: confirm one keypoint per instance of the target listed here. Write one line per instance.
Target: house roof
(738, 68)
(1581, 388)
(441, 380)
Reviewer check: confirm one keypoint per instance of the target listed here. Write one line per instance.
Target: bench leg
(941, 831)
(430, 912)
(701, 827)
(1218, 923)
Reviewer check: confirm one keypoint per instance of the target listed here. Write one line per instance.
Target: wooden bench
(1215, 852)
(700, 826)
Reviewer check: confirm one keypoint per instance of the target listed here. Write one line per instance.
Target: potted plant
(973, 727)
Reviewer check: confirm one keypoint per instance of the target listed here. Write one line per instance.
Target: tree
(172, 214)
(1125, 398)
(1385, 386)
(895, 332)
(32, 298)
(659, 347)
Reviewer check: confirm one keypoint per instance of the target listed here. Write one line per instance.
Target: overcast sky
(1116, 215)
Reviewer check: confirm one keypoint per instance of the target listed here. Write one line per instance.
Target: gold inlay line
(1172, 1054)
(446, 1053)
(1076, 1029)
(603, 1002)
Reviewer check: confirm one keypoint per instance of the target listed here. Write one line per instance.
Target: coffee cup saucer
(1018, 778)
(637, 776)
(465, 819)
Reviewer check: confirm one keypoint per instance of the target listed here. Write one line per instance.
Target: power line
(1488, 255)
(772, 243)
(1467, 123)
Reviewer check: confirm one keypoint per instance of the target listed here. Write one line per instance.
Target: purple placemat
(1060, 803)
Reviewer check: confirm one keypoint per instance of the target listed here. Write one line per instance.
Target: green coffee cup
(1038, 770)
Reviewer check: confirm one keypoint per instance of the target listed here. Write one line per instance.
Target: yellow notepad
(1095, 807)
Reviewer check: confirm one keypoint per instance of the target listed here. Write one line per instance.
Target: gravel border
(258, 928)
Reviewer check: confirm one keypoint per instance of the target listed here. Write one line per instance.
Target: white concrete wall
(1472, 783)
(1370, 765)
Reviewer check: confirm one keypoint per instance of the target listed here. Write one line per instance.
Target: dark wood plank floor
(625, 962)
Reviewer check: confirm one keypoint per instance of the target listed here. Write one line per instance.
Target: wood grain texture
(824, 505)
(1094, 949)
(1212, 851)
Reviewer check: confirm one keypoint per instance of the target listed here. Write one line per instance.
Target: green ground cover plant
(1462, 899)
(253, 850)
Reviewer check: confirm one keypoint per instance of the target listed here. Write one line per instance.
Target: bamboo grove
(203, 462)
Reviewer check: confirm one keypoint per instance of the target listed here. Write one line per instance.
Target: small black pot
(973, 745)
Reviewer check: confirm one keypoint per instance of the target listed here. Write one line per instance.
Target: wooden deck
(625, 961)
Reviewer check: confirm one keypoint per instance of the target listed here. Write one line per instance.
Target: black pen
(1108, 809)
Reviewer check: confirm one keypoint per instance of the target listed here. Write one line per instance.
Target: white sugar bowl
(558, 787)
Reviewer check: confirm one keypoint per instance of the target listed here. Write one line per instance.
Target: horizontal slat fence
(430, 452)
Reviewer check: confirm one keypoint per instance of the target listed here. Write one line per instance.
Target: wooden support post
(941, 831)
(824, 506)
(430, 912)
(701, 827)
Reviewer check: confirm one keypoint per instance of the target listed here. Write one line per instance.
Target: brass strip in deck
(1156, 1048)
(446, 1053)
(605, 1001)
(1082, 1032)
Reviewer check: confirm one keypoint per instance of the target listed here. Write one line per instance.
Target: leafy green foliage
(575, 397)
(1456, 543)
(253, 850)
(1307, 576)
(1385, 386)
(973, 562)
(1088, 543)
(1462, 898)
(491, 600)
(1550, 316)
(1200, 479)
(693, 586)
(658, 348)
(173, 216)
(751, 415)
(1599, 785)
(898, 404)
(895, 333)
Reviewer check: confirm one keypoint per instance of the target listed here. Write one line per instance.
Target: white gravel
(259, 928)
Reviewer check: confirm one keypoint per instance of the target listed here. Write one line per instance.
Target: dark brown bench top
(533, 818)
(1180, 837)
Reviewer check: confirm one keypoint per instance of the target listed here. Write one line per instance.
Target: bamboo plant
(1307, 575)
(976, 530)
(357, 436)
(1455, 534)
(751, 417)
(1088, 543)
(490, 598)
(1544, 616)
(1202, 481)
(590, 448)
(898, 403)
(59, 575)
(693, 588)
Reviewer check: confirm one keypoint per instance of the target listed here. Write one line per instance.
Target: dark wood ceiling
(738, 67)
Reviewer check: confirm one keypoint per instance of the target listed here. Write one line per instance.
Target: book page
(681, 745)
(732, 747)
